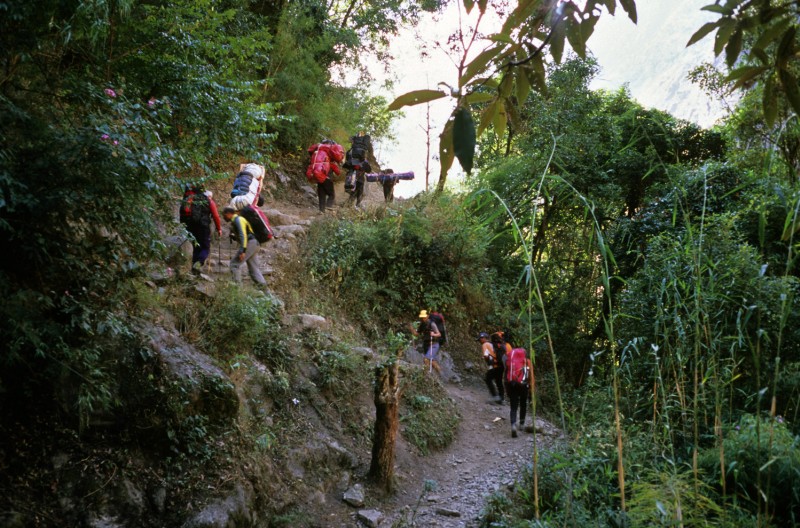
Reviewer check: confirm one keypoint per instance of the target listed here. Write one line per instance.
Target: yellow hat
(423, 314)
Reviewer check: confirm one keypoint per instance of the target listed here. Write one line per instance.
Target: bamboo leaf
(707, 28)
(506, 85)
(557, 43)
(733, 48)
(745, 74)
(726, 28)
(478, 64)
(414, 98)
(714, 8)
(769, 102)
(501, 37)
(575, 38)
(487, 116)
(771, 34)
(630, 7)
(786, 47)
(478, 97)
(523, 86)
(464, 137)
(789, 83)
(500, 120)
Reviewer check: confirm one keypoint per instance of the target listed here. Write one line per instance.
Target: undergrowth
(429, 417)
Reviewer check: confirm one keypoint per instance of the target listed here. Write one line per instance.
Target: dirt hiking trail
(483, 457)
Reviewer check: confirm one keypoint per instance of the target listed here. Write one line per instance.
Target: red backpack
(517, 369)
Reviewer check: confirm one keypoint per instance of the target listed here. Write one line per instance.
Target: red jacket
(324, 159)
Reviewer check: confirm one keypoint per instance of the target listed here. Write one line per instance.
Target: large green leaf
(500, 121)
(464, 137)
(487, 116)
(630, 7)
(733, 48)
(416, 97)
(478, 97)
(468, 5)
(726, 28)
(707, 28)
(478, 64)
(769, 101)
(745, 74)
(789, 82)
(446, 153)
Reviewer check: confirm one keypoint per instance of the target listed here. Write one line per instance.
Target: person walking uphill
(197, 211)
(242, 231)
(494, 374)
(518, 377)
(429, 335)
(323, 161)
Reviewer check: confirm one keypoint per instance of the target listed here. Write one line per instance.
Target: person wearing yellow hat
(429, 335)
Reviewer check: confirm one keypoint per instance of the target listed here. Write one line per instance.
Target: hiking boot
(499, 400)
(513, 430)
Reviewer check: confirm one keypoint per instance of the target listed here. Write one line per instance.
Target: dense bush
(430, 255)
(429, 418)
(762, 464)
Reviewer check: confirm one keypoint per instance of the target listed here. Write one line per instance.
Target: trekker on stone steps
(242, 231)
(428, 334)
(494, 372)
(198, 209)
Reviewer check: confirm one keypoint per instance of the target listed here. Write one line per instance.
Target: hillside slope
(205, 437)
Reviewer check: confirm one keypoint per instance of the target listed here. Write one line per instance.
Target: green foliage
(762, 464)
(429, 418)
(398, 261)
(760, 41)
(241, 322)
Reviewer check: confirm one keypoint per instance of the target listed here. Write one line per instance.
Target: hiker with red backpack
(429, 335)
(323, 160)
(197, 211)
(518, 378)
(242, 231)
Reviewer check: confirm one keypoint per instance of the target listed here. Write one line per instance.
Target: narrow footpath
(445, 489)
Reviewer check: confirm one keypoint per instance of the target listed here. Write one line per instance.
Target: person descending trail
(428, 334)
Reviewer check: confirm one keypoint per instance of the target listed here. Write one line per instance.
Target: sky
(650, 58)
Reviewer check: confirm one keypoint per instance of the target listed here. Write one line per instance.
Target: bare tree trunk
(387, 406)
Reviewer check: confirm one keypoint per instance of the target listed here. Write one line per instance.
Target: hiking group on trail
(509, 372)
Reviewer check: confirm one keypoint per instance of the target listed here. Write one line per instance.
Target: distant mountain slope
(651, 57)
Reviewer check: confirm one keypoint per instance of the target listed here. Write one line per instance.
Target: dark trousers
(494, 380)
(202, 242)
(326, 194)
(518, 397)
(388, 192)
(359, 194)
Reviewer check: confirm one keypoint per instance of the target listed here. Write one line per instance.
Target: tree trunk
(387, 404)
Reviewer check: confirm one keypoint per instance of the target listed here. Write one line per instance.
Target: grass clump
(429, 418)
